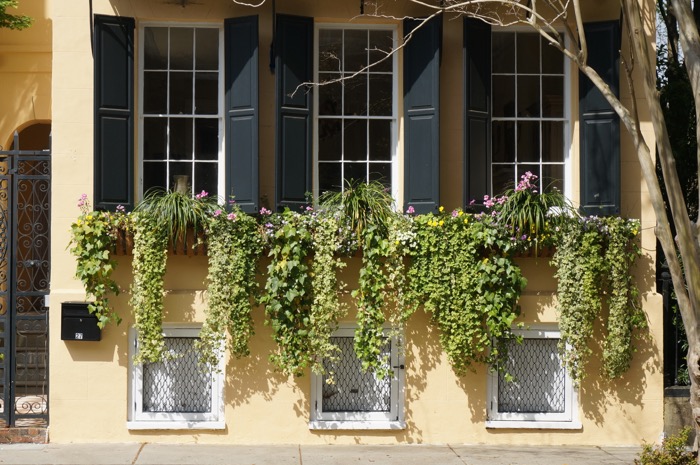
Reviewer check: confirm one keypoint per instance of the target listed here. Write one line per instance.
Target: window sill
(357, 425)
(153, 425)
(518, 424)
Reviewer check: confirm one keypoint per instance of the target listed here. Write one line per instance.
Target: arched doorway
(25, 195)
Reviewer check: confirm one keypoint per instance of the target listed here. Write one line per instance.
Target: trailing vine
(369, 335)
(234, 247)
(326, 308)
(593, 261)
(579, 262)
(464, 274)
(288, 293)
(150, 254)
(625, 313)
(93, 236)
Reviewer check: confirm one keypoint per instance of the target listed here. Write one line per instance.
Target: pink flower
(217, 212)
(201, 195)
(121, 209)
(455, 213)
(231, 216)
(309, 208)
(265, 211)
(472, 202)
(410, 210)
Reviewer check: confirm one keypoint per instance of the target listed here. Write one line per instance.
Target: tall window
(180, 108)
(356, 111)
(529, 116)
(538, 393)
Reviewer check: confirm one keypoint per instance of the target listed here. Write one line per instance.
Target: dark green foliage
(10, 21)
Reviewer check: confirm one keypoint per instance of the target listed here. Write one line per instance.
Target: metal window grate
(540, 379)
(355, 390)
(178, 385)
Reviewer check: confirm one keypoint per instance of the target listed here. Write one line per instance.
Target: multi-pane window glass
(181, 108)
(356, 124)
(528, 115)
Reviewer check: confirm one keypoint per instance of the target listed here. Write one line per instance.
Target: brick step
(30, 435)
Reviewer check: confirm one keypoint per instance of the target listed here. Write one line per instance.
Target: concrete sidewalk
(193, 454)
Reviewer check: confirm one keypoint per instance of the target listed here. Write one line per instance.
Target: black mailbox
(77, 323)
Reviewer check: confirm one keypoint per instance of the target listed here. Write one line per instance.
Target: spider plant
(177, 212)
(361, 204)
(528, 213)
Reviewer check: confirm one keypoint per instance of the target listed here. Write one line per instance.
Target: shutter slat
(422, 115)
(477, 110)
(599, 125)
(241, 78)
(293, 66)
(114, 112)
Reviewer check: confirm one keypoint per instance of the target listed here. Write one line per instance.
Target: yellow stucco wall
(89, 380)
(25, 71)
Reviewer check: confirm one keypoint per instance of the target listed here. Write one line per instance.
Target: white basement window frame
(389, 416)
(562, 406)
(140, 416)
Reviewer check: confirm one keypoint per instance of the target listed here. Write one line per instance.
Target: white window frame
(221, 180)
(139, 420)
(566, 119)
(569, 419)
(395, 181)
(394, 419)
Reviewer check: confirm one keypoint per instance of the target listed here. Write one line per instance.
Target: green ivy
(93, 238)
(369, 335)
(625, 313)
(326, 308)
(593, 260)
(234, 246)
(463, 272)
(288, 293)
(150, 255)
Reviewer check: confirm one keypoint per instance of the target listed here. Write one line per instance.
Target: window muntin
(357, 399)
(541, 393)
(181, 107)
(177, 392)
(355, 113)
(529, 111)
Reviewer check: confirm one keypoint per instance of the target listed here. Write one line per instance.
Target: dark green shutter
(421, 57)
(477, 110)
(293, 66)
(114, 112)
(600, 125)
(241, 77)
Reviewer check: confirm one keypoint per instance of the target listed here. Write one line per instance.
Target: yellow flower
(460, 213)
(485, 261)
(441, 222)
(442, 209)
(89, 217)
(466, 220)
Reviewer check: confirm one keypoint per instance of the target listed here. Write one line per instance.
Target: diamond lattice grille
(539, 385)
(178, 385)
(355, 390)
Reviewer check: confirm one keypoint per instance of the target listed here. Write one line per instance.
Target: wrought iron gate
(25, 195)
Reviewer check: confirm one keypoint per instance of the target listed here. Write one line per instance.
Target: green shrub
(672, 451)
